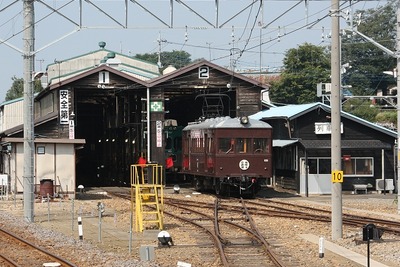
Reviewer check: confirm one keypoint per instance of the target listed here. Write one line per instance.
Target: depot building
(101, 110)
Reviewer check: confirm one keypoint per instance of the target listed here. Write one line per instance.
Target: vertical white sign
(159, 133)
(71, 129)
(64, 107)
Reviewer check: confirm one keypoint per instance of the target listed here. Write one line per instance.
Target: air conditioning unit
(384, 184)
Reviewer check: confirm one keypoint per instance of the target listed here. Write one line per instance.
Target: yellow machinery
(147, 195)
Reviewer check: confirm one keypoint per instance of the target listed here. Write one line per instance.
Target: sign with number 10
(337, 177)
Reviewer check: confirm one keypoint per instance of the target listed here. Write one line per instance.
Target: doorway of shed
(112, 125)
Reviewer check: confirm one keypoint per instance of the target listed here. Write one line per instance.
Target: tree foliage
(304, 68)
(178, 59)
(17, 88)
(362, 108)
(367, 61)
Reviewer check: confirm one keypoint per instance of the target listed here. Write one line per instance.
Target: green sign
(156, 106)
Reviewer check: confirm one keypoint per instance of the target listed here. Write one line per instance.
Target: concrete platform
(344, 252)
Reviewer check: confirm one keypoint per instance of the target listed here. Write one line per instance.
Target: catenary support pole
(337, 231)
(398, 106)
(29, 59)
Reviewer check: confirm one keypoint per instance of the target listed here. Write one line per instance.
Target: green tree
(17, 88)
(178, 59)
(367, 61)
(362, 108)
(304, 68)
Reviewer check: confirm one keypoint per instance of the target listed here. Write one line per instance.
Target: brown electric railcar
(228, 155)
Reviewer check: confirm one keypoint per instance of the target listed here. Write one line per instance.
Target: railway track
(302, 211)
(16, 251)
(237, 238)
(231, 211)
(296, 211)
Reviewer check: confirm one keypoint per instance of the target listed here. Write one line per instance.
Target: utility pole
(336, 150)
(29, 61)
(398, 105)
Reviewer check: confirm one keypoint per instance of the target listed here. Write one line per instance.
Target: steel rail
(217, 240)
(64, 262)
(260, 236)
(9, 261)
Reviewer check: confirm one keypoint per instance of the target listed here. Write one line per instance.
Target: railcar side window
(225, 145)
(210, 142)
(260, 145)
(242, 145)
(197, 145)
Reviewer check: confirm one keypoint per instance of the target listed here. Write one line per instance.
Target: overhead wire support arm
(105, 13)
(155, 16)
(195, 12)
(386, 50)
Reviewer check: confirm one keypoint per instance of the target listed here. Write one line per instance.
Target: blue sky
(57, 37)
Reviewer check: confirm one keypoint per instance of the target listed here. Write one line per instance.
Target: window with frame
(319, 165)
(358, 166)
(242, 145)
(260, 145)
(225, 145)
(197, 144)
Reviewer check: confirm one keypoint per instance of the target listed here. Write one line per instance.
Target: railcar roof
(227, 122)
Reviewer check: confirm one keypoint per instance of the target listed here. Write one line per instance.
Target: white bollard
(321, 247)
(80, 228)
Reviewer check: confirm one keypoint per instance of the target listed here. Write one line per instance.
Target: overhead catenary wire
(272, 39)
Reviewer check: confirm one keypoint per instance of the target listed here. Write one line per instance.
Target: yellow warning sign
(337, 177)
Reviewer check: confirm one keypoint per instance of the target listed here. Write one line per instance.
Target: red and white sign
(71, 129)
(159, 133)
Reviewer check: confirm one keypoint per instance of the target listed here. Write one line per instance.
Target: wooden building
(111, 109)
(302, 149)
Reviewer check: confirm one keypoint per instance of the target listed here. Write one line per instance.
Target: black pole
(368, 253)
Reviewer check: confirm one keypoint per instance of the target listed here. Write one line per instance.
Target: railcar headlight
(244, 120)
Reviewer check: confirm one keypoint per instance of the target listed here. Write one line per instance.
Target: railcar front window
(242, 145)
(225, 145)
(260, 145)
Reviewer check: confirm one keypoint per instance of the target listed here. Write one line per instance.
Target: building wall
(303, 128)
(56, 164)
(12, 115)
